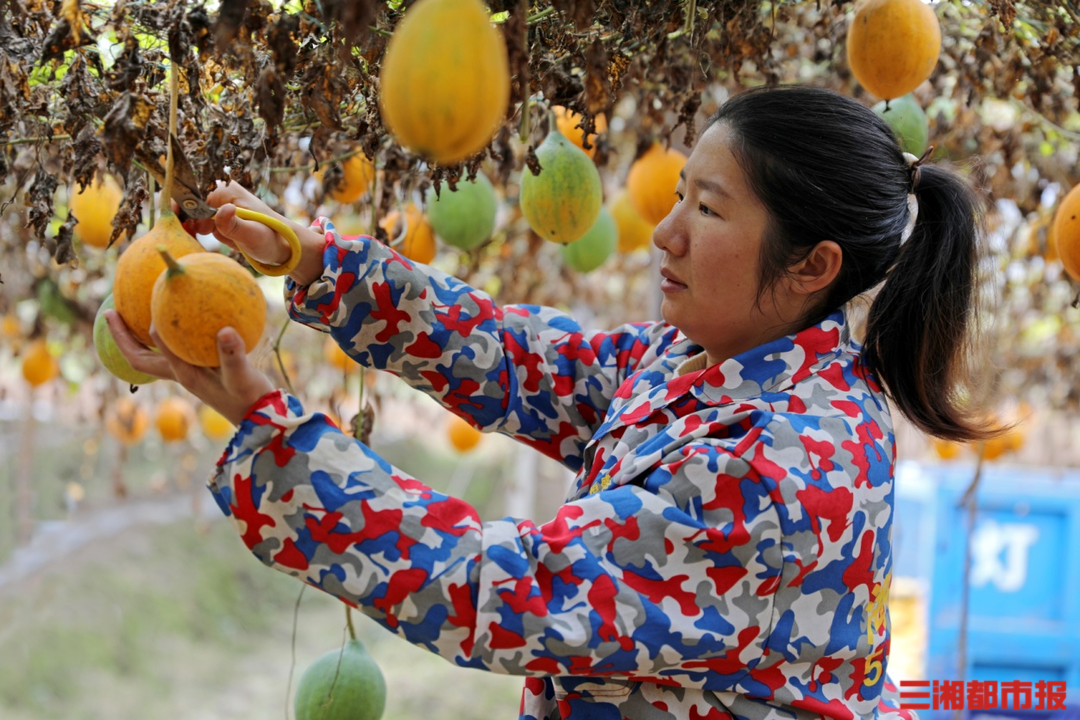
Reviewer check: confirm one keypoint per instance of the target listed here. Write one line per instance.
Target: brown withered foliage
(39, 201)
(268, 95)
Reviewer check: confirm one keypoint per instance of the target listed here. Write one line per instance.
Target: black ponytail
(919, 328)
(828, 168)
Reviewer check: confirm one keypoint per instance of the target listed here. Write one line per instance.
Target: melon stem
(349, 622)
(174, 268)
(165, 201)
(691, 11)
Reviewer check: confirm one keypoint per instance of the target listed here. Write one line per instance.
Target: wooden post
(24, 498)
(521, 488)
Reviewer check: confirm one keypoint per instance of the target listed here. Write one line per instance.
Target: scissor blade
(185, 190)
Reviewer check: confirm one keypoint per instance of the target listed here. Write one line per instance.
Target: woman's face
(711, 243)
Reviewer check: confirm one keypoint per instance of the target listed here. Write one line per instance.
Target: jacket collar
(769, 368)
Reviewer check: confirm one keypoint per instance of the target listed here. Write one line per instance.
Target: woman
(725, 549)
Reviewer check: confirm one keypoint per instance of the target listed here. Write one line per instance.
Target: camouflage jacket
(724, 551)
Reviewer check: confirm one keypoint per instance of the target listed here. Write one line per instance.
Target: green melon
(343, 684)
(909, 123)
(465, 217)
(563, 201)
(109, 354)
(596, 246)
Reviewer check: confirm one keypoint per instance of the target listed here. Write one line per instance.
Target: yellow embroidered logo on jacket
(877, 615)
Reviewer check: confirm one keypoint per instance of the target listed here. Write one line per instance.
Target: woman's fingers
(256, 240)
(232, 388)
(139, 356)
(235, 193)
(193, 378)
(237, 373)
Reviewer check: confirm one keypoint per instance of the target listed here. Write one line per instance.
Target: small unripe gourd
(463, 218)
(343, 684)
(908, 121)
(563, 201)
(199, 295)
(109, 353)
(595, 246)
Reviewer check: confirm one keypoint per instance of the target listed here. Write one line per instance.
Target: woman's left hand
(230, 389)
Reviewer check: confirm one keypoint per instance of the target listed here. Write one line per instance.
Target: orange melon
(419, 241)
(357, 174)
(567, 121)
(336, 357)
(214, 425)
(634, 232)
(652, 181)
(463, 436)
(127, 421)
(173, 419)
(1064, 234)
(199, 295)
(893, 46)
(139, 267)
(38, 364)
(444, 85)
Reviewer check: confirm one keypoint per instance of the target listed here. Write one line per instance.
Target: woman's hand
(231, 389)
(255, 239)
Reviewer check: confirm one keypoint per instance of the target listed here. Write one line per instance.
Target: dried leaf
(580, 12)
(123, 128)
(128, 66)
(598, 95)
(515, 32)
(14, 45)
(64, 252)
(71, 10)
(363, 423)
(64, 37)
(80, 96)
(323, 92)
(85, 152)
(129, 214)
(230, 18)
(270, 97)
(39, 198)
(355, 17)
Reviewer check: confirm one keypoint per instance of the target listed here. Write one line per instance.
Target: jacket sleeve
(669, 579)
(529, 372)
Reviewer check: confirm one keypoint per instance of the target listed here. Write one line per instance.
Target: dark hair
(828, 168)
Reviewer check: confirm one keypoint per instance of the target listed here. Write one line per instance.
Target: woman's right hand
(255, 239)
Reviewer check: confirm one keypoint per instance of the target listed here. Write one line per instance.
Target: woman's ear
(818, 269)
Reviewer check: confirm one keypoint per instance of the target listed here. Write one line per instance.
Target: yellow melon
(139, 267)
(445, 80)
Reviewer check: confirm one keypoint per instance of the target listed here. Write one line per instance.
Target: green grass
(181, 621)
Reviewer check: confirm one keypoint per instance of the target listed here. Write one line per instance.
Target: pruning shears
(186, 194)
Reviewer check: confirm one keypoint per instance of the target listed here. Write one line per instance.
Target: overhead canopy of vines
(272, 91)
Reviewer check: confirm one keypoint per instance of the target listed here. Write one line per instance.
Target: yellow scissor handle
(283, 230)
